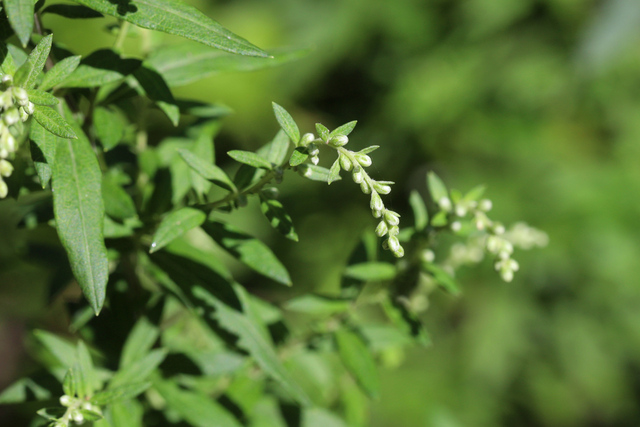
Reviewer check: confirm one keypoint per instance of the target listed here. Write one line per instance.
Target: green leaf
(357, 358)
(39, 97)
(320, 417)
(53, 122)
(287, 123)
(52, 413)
(198, 409)
(72, 11)
(88, 374)
(62, 350)
(79, 213)
(334, 172)
(118, 203)
(249, 250)
(444, 279)
(109, 127)
(370, 271)
(436, 187)
(140, 340)
(138, 371)
(7, 64)
(177, 18)
(317, 305)
(90, 415)
(254, 340)
(124, 392)
(475, 193)
(102, 67)
(124, 413)
(20, 14)
(298, 156)
(251, 159)
(406, 321)
(69, 384)
(421, 217)
(22, 390)
(315, 173)
(345, 129)
(44, 156)
(323, 132)
(185, 63)
(278, 218)
(275, 151)
(439, 219)
(208, 171)
(27, 75)
(158, 91)
(175, 225)
(60, 71)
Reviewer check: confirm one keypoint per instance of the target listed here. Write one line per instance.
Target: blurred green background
(537, 99)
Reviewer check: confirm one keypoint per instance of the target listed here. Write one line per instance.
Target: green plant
(131, 211)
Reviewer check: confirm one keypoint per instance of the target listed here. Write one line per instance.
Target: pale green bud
(6, 100)
(358, 175)
(498, 228)
(6, 168)
(338, 141)
(485, 205)
(399, 253)
(393, 243)
(4, 190)
(365, 187)
(7, 79)
(364, 160)
(493, 244)
(376, 214)
(20, 95)
(313, 149)
(376, 203)
(306, 139)
(30, 108)
(461, 210)
(507, 275)
(77, 417)
(345, 163)
(428, 255)
(394, 231)
(381, 229)
(24, 116)
(315, 160)
(456, 226)
(445, 204)
(392, 218)
(65, 400)
(382, 188)
(11, 116)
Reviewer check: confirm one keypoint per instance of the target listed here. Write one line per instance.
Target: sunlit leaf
(175, 225)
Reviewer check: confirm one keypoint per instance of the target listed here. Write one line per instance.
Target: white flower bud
(364, 160)
(393, 243)
(24, 116)
(358, 175)
(315, 160)
(493, 244)
(11, 116)
(376, 214)
(485, 205)
(445, 204)
(4, 190)
(30, 108)
(77, 417)
(20, 95)
(376, 203)
(392, 218)
(507, 275)
(456, 226)
(394, 231)
(65, 400)
(306, 139)
(6, 100)
(6, 168)
(498, 229)
(313, 149)
(365, 187)
(381, 229)
(345, 163)
(399, 253)
(461, 210)
(338, 140)
(7, 79)
(382, 188)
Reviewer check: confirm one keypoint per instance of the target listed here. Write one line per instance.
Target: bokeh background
(537, 99)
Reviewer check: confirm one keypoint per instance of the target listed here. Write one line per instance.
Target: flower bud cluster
(73, 413)
(15, 108)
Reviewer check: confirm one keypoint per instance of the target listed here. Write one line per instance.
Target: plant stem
(122, 35)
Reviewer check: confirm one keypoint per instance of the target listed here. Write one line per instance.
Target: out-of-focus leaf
(320, 417)
(370, 271)
(20, 391)
(69, 383)
(44, 156)
(109, 127)
(439, 219)
(436, 187)
(357, 358)
(59, 72)
(139, 342)
(7, 64)
(177, 18)
(186, 63)
(420, 215)
(475, 193)
(88, 383)
(39, 97)
(287, 123)
(317, 305)
(254, 340)
(198, 409)
(124, 413)
(444, 279)
(27, 75)
(175, 225)
(79, 213)
(251, 159)
(278, 218)
(118, 203)
(139, 370)
(208, 171)
(51, 414)
(102, 67)
(249, 250)
(89, 415)
(53, 122)
(406, 321)
(20, 14)
(61, 349)
(124, 392)
(316, 173)
(158, 91)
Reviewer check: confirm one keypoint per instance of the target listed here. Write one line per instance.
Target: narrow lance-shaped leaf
(123, 392)
(334, 172)
(175, 225)
(357, 358)
(419, 210)
(44, 152)
(79, 213)
(345, 129)
(287, 123)
(177, 18)
(139, 370)
(316, 173)
(323, 132)
(49, 119)
(249, 158)
(208, 171)
(39, 97)
(436, 187)
(109, 127)
(249, 250)
(6, 60)
(20, 14)
(139, 342)
(371, 271)
(59, 72)
(158, 91)
(27, 75)
(278, 218)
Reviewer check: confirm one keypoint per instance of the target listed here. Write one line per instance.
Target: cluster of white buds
(15, 108)
(73, 413)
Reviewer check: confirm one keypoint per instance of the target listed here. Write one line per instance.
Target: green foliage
(145, 236)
